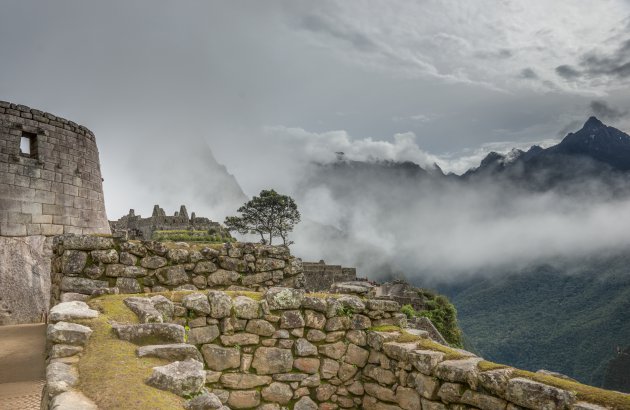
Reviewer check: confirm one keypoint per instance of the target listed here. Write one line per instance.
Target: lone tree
(269, 215)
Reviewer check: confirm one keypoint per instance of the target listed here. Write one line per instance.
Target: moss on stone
(583, 392)
(486, 366)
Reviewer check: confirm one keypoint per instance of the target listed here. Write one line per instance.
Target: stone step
(70, 311)
(150, 333)
(175, 351)
(144, 309)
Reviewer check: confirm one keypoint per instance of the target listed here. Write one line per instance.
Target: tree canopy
(270, 215)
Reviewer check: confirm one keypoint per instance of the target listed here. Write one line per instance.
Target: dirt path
(22, 366)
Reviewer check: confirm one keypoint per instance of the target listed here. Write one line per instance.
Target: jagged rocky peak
(593, 123)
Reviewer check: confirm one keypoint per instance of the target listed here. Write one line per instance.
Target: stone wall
(304, 352)
(84, 265)
(319, 276)
(57, 188)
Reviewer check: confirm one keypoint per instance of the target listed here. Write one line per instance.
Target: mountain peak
(593, 122)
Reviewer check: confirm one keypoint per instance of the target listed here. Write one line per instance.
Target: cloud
(567, 72)
(529, 74)
(615, 64)
(604, 111)
(322, 148)
(384, 221)
(427, 39)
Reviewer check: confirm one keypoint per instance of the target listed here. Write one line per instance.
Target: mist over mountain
(511, 211)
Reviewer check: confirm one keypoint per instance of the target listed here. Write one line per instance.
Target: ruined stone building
(319, 276)
(138, 227)
(50, 184)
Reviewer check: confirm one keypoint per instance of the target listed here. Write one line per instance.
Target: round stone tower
(50, 184)
(50, 176)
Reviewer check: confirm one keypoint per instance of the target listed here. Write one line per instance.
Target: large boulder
(175, 351)
(535, 395)
(305, 403)
(68, 333)
(73, 262)
(284, 298)
(197, 302)
(244, 381)
(150, 332)
(144, 309)
(164, 306)
(60, 377)
(205, 401)
(182, 378)
(220, 358)
(82, 285)
(220, 304)
(69, 311)
(72, 400)
(246, 308)
(172, 275)
(459, 371)
(278, 393)
(86, 242)
(270, 360)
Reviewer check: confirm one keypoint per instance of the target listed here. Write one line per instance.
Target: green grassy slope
(546, 319)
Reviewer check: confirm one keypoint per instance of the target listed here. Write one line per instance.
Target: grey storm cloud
(528, 73)
(567, 72)
(606, 112)
(596, 63)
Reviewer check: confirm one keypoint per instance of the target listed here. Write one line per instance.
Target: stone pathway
(22, 366)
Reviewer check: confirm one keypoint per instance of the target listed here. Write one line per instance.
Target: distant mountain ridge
(596, 150)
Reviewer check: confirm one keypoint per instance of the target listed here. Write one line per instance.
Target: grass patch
(449, 353)
(110, 372)
(486, 366)
(385, 328)
(583, 392)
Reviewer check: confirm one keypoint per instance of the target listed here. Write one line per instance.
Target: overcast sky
(270, 84)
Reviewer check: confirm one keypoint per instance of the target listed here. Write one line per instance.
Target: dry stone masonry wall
(50, 176)
(85, 265)
(287, 349)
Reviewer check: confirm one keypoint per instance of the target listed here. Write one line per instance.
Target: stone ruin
(137, 227)
(320, 277)
(50, 184)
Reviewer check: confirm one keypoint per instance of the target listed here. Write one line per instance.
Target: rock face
(181, 378)
(25, 284)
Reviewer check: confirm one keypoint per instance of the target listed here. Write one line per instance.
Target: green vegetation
(441, 313)
(191, 236)
(111, 374)
(548, 319)
(345, 311)
(269, 215)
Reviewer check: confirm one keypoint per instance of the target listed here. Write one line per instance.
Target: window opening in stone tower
(28, 144)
